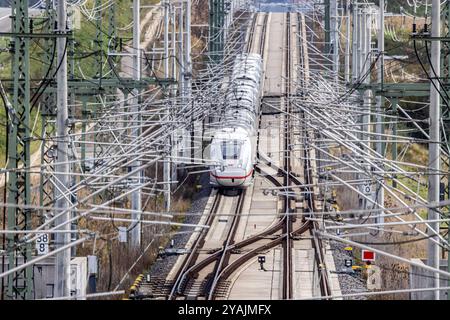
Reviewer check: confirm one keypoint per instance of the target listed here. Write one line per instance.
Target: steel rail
(222, 257)
(287, 244)
(308, 174)
(193, 254)
(226, 251)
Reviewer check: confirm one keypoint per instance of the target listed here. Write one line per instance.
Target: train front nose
(231, 177)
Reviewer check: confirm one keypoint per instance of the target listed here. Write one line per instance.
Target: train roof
(249, 56)
(237, 133)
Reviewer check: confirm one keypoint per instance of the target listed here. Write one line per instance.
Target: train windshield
(231, 149)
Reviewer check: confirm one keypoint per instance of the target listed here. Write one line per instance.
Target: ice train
(233, 147)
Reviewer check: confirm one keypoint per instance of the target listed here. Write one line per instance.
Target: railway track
(197, 277)
(198, 273)
(287, 244)
(310, 169)
(291, 179)
(192, 266)
(226, 251)
(206, 273)
(206, 269)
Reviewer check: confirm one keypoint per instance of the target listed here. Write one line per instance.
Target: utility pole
(48, 113)
(188, 74)
(185, 77)
(181, 49)
(335, 37)
(435, 137)
(355, 40)
(166, 38)
(379, 105)
(174, 144)
(365, 94)
(62, 167)
(216, 31)
(365, 69)
(99, 98)
(20, 284)
(394, 102)
(136, 201)
(446, 117)
(173, 45)
(181, 134)
(187, 52)
(327, 27)
(348, 7)
(71, 114)
(166, 166)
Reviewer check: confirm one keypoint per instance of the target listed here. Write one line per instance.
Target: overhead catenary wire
(332, 111)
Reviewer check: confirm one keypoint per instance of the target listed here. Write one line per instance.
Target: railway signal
(368, 256)
(262, 260)
(348, 263)
(161, 252)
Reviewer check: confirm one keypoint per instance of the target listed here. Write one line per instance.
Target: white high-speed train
(233, 148)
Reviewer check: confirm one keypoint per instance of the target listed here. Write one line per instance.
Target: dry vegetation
(395, 275)
(116, 258)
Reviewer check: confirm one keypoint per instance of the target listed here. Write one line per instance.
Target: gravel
(349, 282)
(162, 267)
